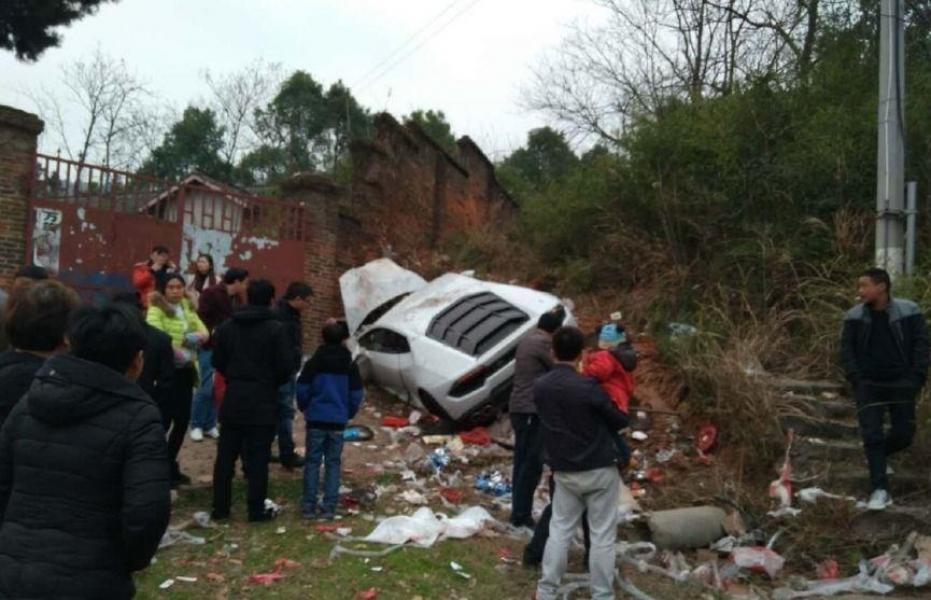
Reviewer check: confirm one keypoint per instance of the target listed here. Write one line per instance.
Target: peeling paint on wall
(260, 243)
(196, 240)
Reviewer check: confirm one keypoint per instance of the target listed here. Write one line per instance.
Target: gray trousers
(597, 492)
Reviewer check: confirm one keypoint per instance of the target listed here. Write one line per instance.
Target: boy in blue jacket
(329, 393)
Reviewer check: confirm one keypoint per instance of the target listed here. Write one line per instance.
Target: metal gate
(91, 224)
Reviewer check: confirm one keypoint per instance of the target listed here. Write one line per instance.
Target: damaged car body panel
(368, 288)
(448, 346)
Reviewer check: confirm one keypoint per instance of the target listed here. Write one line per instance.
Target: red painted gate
(91, 224)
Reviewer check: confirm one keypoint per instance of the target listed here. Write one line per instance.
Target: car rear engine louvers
(475, 324)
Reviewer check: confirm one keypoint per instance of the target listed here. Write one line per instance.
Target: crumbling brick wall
(408, 194)
(19, 131)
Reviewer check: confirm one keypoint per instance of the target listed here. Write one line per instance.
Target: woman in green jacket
(172, 312)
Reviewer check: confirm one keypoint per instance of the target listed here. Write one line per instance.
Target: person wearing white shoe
(214, 433)
(885, 355)
(197, 434)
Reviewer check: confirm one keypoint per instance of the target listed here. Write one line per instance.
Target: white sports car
(446, 346)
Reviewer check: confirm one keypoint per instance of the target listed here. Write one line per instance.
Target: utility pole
(890, 160)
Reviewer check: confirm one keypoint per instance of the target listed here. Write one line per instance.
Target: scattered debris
(424, 527)
(639, 436)
(369, 594)
(758, 559)
(358, 433)
(493, 483)
(478, 437)
(264, 578)
(413, 497)
(186, 579)
(173, 537)
(828, 569)
(394, 421)
(166, 584)
(707, 439)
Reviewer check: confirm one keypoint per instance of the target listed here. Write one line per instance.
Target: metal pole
(890, 184)
(911, 215)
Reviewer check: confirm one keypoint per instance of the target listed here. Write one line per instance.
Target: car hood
(370, 286)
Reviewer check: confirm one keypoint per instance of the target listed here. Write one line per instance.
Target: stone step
(821, 428)
(802, 386)
(820, 407)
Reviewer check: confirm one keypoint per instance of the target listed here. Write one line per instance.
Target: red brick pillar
(18, 134)
(321, 197)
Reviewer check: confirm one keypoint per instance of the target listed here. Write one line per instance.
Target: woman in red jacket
(147, 275)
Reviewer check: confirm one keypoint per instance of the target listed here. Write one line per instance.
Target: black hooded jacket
(84, 486)
(16, 372)
(253, 353)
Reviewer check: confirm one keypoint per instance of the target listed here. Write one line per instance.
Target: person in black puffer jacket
(37, 318)
(84, 472)
(253, 354)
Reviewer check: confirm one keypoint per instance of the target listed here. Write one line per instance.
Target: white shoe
(214, 433)
(197, 434)
(879, 500)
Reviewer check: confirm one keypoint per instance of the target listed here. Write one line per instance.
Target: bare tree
(235, 97)
(646, 52)
(104, 114)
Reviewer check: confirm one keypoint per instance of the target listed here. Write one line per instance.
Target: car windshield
(476, 323)
(381, 310)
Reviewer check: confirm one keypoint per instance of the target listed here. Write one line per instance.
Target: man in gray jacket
(534, 358)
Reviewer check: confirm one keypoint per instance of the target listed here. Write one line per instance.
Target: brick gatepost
(321, 198)
(19, 132)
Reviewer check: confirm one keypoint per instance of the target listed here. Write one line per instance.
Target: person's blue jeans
(204, 413)
(327, 447)
(286, 412)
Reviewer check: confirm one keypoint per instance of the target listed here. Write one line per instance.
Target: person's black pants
(528, 466)
(874, 400)
(175, 406)
(255, 444)
(533, 552)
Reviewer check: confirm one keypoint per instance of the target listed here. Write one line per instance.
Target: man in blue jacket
(885, 354)
(329, 393)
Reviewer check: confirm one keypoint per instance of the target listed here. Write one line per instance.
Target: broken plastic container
(759, 559)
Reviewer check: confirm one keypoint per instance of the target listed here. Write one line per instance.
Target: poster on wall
(46, 239)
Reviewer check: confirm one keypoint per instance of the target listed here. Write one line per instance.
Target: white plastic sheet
(424, 528)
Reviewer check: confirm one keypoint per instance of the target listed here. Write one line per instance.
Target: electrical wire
(409, 39)
(404, 57)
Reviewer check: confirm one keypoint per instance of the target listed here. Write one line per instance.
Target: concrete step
(821, 428)
(802, 386)
(818, 406)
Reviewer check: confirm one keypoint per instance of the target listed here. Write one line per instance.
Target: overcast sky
(473, 69)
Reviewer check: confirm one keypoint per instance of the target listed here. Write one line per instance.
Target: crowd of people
(96, 402)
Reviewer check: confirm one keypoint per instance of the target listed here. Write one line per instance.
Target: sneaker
(879, 500)
(197, 434)
(214, 433)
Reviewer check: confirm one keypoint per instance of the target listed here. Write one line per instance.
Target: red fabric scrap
(478, 436)
(394, 421)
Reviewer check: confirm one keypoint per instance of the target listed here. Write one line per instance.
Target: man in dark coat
(84, 487)
(295, 301)
(885, 354)
(252, 352)
(534, 359)
(158, 369)
(38, 315)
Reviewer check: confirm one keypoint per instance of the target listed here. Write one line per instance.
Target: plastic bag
(424, 527)
(759, 560)
(173, 537)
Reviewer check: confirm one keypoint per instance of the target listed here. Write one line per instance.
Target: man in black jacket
(252, 352)
(295, 301)
(885, 354)
(158, 356)
(578, 420)
(84, 488)
(38, 315)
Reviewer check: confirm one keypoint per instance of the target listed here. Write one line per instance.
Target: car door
(389, 355)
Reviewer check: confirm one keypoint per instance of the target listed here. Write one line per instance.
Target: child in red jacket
(612, 365)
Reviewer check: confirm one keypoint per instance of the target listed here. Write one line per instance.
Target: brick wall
(18, 133)
(321, 198)
(408, 194)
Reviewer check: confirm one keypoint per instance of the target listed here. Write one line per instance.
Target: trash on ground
(281, 530)
(394, 421)
(264, 578)
(413, 497)
(425, 527)
(358, 433)
(166, 584)
(828, 569)
(811, 495)
(759, 559)
(202, 519)
(639, 436)
(707, 438)
(453, 495)
(438, 459)
(173, 537)
(433, 440)
(326, 527)
(665, 455)
(272, 506)
(414, 453)
(685, 528)
(494, 483)
(186, 579)
(369, 594)
(864, 582)
(286, 563)
(458, 569)
(478, 436)
(781, 489)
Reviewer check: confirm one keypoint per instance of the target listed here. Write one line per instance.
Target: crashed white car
(446, 346)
